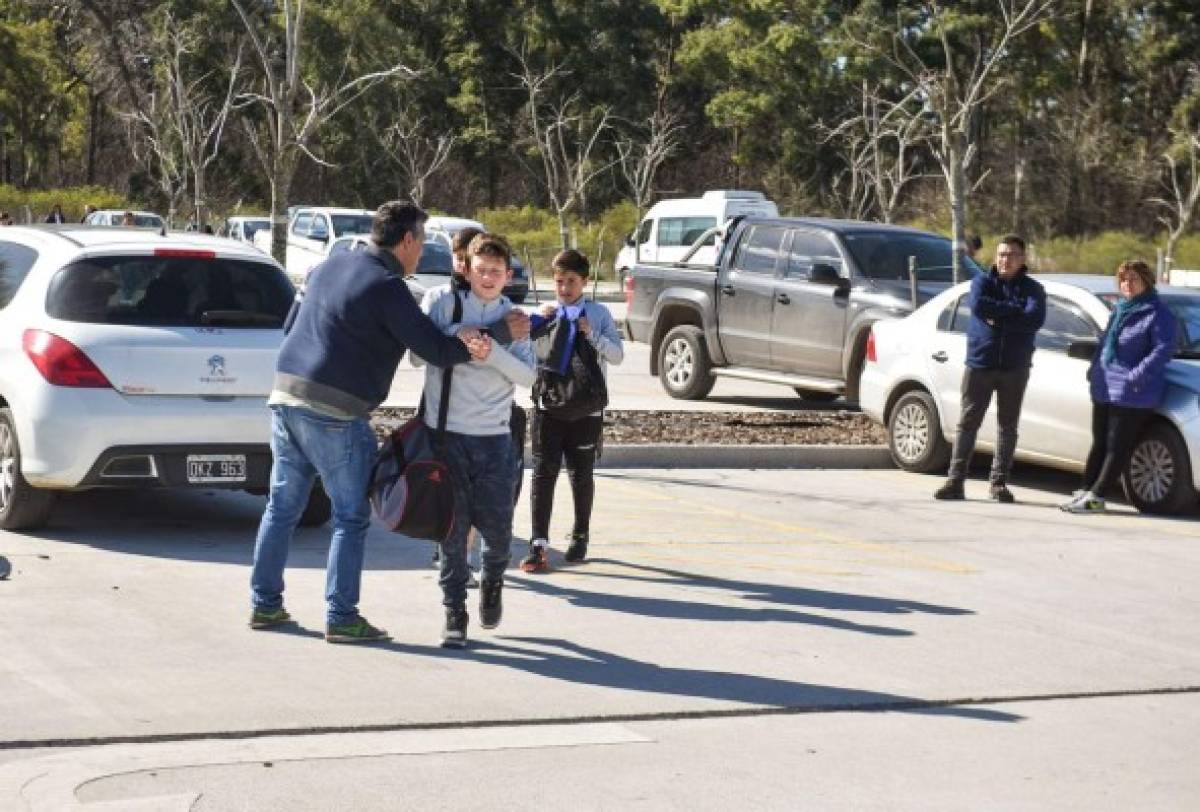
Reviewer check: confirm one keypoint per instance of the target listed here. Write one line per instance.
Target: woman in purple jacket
(1128, 380)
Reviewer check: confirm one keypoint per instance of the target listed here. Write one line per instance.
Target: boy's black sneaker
(952, 490)
(454, 633)
(578, 550)
(491, 608)
(537, 560)
(1002, 494)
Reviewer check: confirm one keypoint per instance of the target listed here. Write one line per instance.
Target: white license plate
(216, 468)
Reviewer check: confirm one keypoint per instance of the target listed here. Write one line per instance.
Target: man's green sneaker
(266, 618)
(356, 631)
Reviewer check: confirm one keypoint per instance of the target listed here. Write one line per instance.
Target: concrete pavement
(783, 639)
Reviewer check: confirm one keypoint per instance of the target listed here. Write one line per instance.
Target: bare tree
(154, 144)
(1183, 184)
(954, 87)
(564, 136)
(640, 154)
(292, 111)
(418, 154)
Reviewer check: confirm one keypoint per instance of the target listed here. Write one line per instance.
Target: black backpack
(581, 391)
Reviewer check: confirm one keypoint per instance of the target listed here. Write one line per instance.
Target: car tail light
(629, 290)
(61, 362)
(185, 253)
(871, 347)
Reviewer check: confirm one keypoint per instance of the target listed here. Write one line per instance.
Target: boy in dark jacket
(1008, 307)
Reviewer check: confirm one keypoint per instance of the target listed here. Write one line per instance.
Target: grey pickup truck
(790, 301)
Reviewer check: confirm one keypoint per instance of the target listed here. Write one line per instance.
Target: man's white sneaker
(1086, 503)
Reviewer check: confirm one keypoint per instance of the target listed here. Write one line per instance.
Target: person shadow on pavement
(560, 659)
(768, 593)
(693, 609)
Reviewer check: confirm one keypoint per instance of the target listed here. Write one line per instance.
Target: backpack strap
(447, 373)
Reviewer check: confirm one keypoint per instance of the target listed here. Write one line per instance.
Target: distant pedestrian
(5, 219)
(1008, 307)
(1127, 379)
(576, 441)
(974, 244)
(344, 338)
(127, 219)
(56, 215)
(87, 211)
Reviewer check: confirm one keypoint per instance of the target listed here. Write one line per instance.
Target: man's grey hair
(395, 219)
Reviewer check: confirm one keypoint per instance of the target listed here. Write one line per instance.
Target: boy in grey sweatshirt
(477, 434)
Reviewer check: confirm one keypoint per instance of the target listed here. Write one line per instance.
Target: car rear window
(171, 292)
(435, 259)
(884, 255)
(15, 262)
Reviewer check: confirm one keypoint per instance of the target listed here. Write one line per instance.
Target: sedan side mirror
(1083, 349)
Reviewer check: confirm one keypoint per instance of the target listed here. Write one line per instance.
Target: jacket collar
(387, 258)
(995, 273)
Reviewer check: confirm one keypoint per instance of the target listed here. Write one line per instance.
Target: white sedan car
(129, 359)
(912, 379)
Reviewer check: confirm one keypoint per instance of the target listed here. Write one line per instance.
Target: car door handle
(783, 298)
(940, 356)
(728, 290)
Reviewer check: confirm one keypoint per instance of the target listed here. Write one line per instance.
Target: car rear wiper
(240, 318)
(1188, 355)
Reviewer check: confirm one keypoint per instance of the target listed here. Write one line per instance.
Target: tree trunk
(564, 233)
(279, 201)
(958, 204)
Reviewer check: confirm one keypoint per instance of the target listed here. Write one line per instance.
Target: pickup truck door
(808, 321)
(745, 296)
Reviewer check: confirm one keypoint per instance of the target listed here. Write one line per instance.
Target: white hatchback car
(128, 359)
(912, 384)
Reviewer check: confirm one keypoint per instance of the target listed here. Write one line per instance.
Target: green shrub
(40, 201)
(534, 235)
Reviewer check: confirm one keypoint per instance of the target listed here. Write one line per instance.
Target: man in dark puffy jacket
(1008, 307)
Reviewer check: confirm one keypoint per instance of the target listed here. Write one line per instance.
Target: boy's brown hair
(572, 261)
(460, 245)
(490, 245)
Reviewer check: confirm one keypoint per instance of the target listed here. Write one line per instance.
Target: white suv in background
(311, 231)
(128, 359)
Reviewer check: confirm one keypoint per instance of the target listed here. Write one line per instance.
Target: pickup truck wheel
(816, 395)
(22, 506)
(1158, 476)
(915, 434)
(683, 364)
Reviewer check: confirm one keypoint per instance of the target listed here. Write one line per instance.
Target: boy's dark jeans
(482, 472)
(977, 388)
(553, 440)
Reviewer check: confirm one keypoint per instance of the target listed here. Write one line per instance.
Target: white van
(671, 226)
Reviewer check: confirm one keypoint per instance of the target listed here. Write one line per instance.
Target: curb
(733, 456)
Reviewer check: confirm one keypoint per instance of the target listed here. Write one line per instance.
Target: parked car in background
(912, 384)
(670, 227)
(357, 242)
(310, 232)
(790, 301)
(129, 359)
(115, 217)
(243, 228)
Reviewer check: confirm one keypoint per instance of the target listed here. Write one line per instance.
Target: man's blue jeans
(481, 468)
(306, 445)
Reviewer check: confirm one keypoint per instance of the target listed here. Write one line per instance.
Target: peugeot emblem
(216, 366)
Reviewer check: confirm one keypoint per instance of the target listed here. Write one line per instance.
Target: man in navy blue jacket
(1008, 307)
(345, 337)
